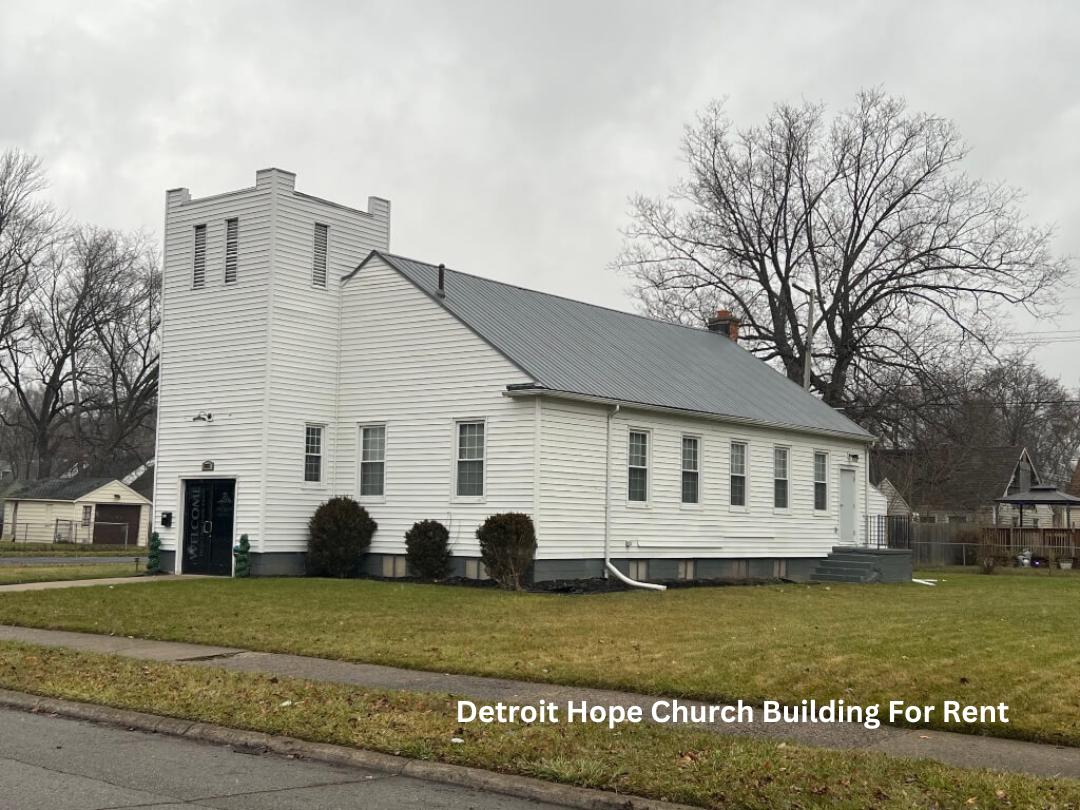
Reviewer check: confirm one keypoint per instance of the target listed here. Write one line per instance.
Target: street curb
(521, 787)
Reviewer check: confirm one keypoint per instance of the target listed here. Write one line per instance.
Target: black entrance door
(208, 526)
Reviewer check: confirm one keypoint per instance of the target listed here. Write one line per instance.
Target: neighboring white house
(76, 510)
(302, 360)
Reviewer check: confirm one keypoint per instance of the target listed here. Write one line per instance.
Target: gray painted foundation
(799, 569)
(168, 560)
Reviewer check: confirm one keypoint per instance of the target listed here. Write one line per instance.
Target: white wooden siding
(303, 356)
(260, 354)
(213, 355)
(412, 366)
(572, 489)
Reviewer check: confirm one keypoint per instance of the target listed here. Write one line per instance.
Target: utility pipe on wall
(608, 566)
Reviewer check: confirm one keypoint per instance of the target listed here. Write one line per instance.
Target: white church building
(301, 359)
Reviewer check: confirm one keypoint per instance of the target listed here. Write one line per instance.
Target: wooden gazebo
(1047, 540)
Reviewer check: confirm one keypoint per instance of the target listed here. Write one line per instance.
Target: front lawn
(15, 574)
(972, 638)
(673, 764)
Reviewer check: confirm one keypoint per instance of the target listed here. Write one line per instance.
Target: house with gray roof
(100, 511)
(302, 359)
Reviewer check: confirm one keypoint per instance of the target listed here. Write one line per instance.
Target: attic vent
(198, 277)
(318, 267)
(232, 231)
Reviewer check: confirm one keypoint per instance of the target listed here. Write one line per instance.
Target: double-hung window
(738, 473)
(691, 469)
(821, 481)
(313, 453)
(638, 489)
(780, 477)
(470, 460)
(372, 461)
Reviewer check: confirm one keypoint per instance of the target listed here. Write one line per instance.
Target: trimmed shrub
(243, 558)
(338, 535)
(507, 547)
(153, 554)
(427, 546)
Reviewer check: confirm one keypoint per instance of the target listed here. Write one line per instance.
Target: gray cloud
(508, 136)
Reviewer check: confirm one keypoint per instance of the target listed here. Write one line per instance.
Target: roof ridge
(541, 292)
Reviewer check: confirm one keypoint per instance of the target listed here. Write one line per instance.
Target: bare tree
(122, 366)
(27, 229)
(908, 257)
(87, 347)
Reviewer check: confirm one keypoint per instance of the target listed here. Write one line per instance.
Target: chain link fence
(72, 532)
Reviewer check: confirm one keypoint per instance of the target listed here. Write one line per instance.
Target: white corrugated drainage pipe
(619, 575)
(608, 567)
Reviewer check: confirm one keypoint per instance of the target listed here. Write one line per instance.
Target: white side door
(847, 507)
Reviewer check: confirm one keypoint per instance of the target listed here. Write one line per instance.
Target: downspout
(608, 567)
(866, 496)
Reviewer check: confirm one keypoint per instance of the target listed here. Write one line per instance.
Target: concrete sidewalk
(86, 583)
(955, 749)
(101, 559)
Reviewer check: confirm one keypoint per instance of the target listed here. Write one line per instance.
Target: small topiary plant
(153, 554)
(507, 547)
(339, 532)
(427, 546)
(243, 559)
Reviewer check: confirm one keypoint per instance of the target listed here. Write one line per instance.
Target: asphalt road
(67, 560)
(53, 763)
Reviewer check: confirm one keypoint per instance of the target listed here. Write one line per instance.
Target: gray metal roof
(571, 346)
(56, 489)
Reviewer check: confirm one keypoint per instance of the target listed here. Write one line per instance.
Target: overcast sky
(507, 135)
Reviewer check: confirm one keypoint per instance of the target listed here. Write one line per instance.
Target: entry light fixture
(203, 416)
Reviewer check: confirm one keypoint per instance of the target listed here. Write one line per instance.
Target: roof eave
(518, 391)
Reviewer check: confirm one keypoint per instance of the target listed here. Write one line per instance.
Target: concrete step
(845, 567)
(849, 557)
(837, 578)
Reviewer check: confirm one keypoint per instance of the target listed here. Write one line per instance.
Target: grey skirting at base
(799, 569)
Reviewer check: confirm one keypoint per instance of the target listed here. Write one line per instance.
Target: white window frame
(648, 467)
(828, 497)
(360, 496)
(745, 505)
(87, 514)
(326, 270)
(697, 470)
(786, 450)
(321, 427)
(456, 458)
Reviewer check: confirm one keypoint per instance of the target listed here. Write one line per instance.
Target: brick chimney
(726, 324)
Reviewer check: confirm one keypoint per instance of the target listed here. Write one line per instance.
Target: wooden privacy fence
(1042, 542)
(939, 544)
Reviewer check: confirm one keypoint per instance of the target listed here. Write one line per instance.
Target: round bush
(339, 533)
(427, 546)
(507, 547)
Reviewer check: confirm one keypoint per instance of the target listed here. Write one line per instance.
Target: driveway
(52, 763)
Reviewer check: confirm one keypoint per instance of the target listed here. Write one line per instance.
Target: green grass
(677, 765)
(15, 574)
(8, 549)
(973, 638)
